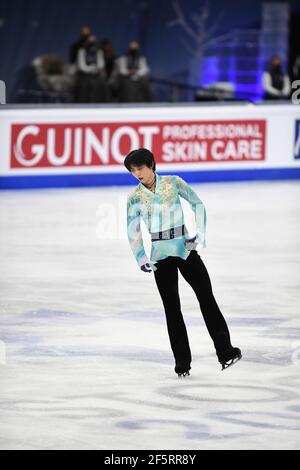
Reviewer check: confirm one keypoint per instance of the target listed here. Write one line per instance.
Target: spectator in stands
(276, 83)
(91, 85)
(133, 71)
(111, 70)
(85, 31)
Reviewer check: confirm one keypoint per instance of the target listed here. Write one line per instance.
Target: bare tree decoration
(200, 37)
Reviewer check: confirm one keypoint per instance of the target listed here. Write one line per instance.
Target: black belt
(168, 234)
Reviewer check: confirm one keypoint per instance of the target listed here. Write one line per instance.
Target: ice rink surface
(85, 360)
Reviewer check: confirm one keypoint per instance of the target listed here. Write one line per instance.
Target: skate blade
(226, 365)
(184, 374)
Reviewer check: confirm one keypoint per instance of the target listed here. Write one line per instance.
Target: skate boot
(182, 369)
(231, 358)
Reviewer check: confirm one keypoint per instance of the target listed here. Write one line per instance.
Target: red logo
(105, 144)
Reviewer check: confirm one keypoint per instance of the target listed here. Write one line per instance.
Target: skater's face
(143, 173)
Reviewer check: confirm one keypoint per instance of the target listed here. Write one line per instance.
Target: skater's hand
(146, 268)
(191, 243)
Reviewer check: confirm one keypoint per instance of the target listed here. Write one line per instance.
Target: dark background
(32, 27)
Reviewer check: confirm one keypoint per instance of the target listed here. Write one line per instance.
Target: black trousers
(195, 273)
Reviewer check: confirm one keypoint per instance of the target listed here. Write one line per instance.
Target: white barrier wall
(71, 146)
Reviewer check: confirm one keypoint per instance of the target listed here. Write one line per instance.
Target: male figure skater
(156, 201)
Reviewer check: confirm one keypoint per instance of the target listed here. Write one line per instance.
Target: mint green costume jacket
(161, 211)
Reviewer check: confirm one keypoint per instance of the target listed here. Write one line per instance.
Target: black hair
(140, 157)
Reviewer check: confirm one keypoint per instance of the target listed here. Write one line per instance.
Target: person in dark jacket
(91, 85)
(133, 72)
(276, 83)
(85, 31)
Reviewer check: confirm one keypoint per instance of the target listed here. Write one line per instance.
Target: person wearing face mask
(91, 85)
(85, 32)
(276, 83)
(133, 71)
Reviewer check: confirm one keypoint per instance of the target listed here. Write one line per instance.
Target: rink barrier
(125, 179)
(58, 147)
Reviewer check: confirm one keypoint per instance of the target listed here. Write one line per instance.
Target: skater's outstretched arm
(134, 232)
(185, 191)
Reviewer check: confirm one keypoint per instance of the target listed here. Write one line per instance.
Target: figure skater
(156, 201)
